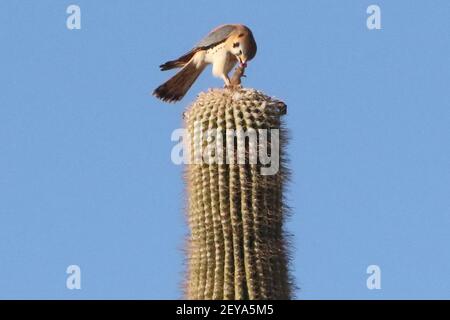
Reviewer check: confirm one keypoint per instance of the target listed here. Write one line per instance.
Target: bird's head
(243, 45)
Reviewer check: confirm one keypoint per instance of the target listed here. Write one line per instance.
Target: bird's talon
(233, 87)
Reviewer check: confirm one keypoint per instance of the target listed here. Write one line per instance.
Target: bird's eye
(236, 44)
(240, 52)
(241, 35)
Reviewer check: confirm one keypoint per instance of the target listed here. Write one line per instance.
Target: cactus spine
(236, 248)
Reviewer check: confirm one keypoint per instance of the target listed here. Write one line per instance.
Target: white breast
(215, 52)
(217, 56)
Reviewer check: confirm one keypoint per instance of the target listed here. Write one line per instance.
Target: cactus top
(235, 98)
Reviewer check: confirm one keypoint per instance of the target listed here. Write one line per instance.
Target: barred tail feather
(176, 87)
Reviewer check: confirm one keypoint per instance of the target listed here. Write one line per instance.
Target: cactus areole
(235, 192)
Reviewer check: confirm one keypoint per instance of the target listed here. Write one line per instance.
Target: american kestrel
(223, 47)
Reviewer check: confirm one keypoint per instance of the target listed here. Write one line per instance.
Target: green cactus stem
(237, 247)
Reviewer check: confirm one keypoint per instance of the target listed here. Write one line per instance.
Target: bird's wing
(218, 35)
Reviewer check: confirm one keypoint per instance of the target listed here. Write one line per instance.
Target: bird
(223, 47)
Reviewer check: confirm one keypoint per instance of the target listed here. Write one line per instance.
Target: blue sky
(85, 170)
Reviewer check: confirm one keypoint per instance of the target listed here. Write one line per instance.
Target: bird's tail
(180, 62)
(176, 87)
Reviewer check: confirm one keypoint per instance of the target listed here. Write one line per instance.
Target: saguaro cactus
(237, 247)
